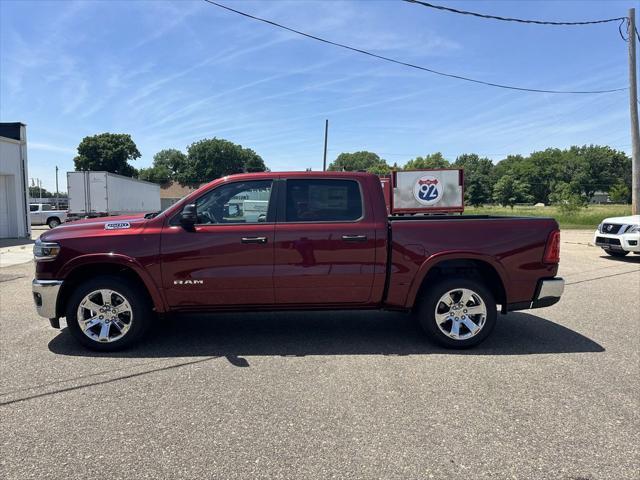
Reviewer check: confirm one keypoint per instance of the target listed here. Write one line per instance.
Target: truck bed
(511, 246)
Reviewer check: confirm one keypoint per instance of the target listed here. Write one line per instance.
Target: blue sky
(171, 73)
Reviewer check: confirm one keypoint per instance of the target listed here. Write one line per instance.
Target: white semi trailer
(100, 194)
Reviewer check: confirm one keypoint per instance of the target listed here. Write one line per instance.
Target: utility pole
(326, 134)
(57, 196)
(633, 105)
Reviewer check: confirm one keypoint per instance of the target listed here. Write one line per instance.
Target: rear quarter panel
(514, 247)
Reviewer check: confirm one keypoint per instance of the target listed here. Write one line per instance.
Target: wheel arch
(85, 268)
(486, 269)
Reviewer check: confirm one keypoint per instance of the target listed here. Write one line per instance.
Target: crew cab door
(227, 258)
(324, 243)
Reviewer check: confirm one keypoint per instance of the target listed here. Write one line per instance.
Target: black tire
(426, 312)
(140, 320)
(53, 222)
(616, 253)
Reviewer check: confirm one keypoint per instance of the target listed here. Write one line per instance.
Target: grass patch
(585, 218)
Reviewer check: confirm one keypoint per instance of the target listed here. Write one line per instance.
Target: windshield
(170, 202)
(155, 214)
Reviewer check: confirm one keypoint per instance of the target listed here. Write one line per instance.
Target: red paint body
(303, 265)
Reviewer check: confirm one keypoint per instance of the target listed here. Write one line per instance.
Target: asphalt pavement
(553, 394)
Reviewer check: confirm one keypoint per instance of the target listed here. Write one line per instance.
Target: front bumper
(45, 296)
(548, 292)
(628, 242)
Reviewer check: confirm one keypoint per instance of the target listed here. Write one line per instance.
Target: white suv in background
(619, 235)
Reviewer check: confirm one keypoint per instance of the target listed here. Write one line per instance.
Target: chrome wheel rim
(105, 315)
(461, 313)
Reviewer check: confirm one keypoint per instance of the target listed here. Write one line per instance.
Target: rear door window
(325, 200)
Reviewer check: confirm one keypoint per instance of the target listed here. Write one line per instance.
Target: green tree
(380, 169)
(477, 178)
(255, 164)
(213, 158)
(109, 152)
(167, 165)
(512, 165)
(585, 170)
(597, 168)
(508, 191)
(434, 160)
(541, 170)
(620, 193)
(40, 192)
(565, 197)
(359, 161)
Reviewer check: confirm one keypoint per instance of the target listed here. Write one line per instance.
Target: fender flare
(118, 259)
(438, 258)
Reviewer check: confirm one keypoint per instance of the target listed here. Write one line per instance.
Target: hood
(119, 224)
(630, 220)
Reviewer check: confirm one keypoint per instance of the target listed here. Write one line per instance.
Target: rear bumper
(45, 296)
(548, 292)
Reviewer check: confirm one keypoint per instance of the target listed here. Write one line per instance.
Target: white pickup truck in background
(44, 214)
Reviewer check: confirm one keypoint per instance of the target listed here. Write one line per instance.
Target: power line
(510, 19)
(406, 64)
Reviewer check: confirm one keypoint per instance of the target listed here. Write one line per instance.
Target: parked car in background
(45, 214)
(619, 235)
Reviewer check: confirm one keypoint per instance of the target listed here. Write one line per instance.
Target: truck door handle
(354, 238)
(254, 240)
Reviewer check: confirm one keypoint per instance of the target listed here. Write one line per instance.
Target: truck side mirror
(189, 217)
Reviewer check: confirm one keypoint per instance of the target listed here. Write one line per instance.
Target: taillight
(552, 249)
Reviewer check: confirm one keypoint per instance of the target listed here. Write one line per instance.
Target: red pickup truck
(295, 241)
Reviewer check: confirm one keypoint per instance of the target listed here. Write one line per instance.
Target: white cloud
(164, 17)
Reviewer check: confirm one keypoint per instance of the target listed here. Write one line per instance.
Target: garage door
(7, 222)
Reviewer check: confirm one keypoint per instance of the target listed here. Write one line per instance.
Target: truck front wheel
(53, 222)
(108, 313)
(458, 312)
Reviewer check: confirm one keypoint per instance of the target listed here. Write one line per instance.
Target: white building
(14, 209)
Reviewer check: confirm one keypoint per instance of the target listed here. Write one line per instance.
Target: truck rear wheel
(458, 312)
(53, 222)
(108, 313)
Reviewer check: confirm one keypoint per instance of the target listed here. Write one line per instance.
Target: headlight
(633, 229)
(45, 250)
(600, 228)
